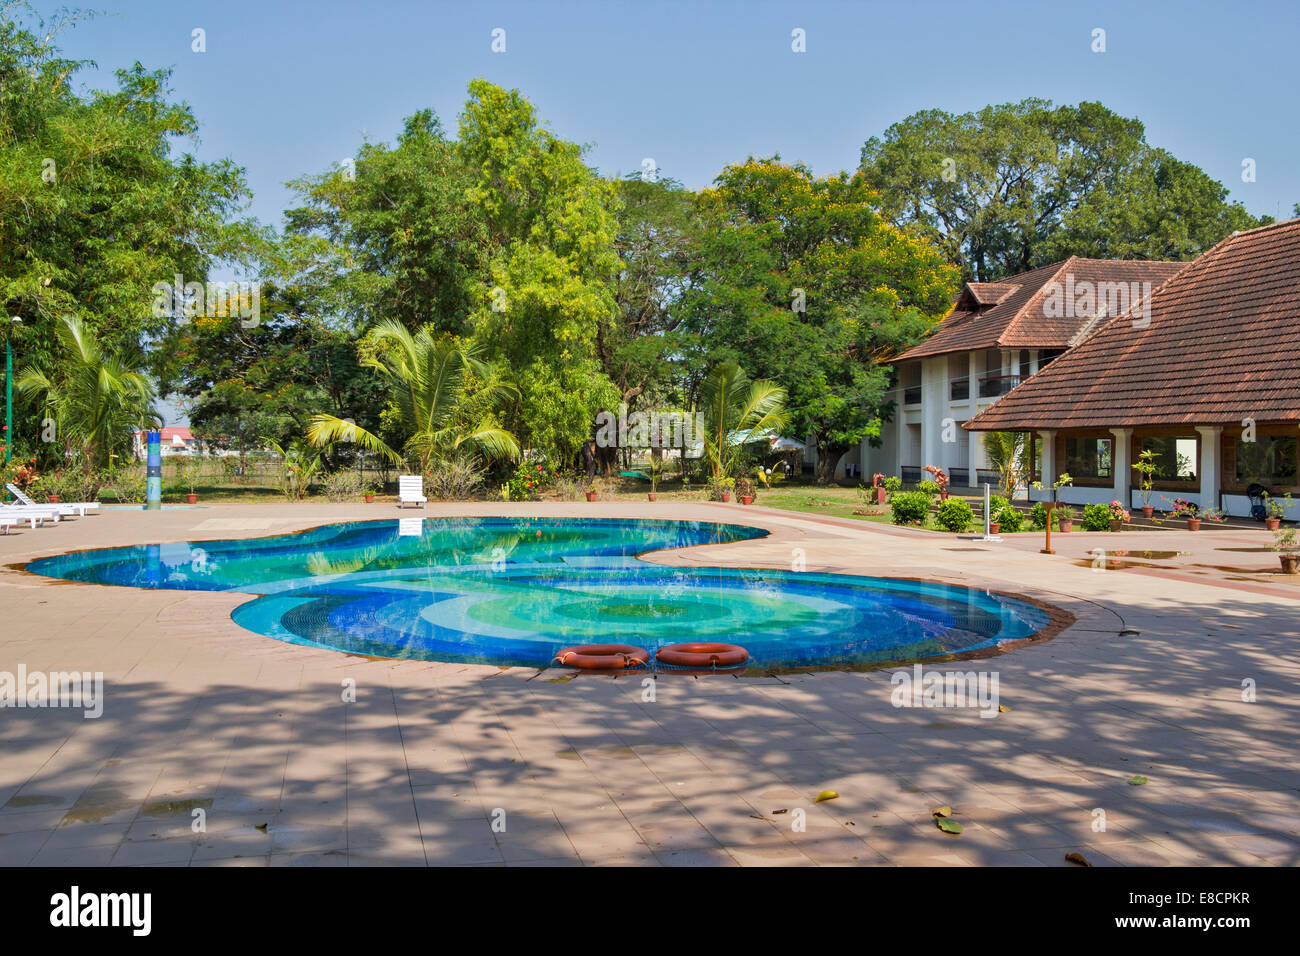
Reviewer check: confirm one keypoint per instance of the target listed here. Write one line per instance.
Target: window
(1269, 460)
(1176, 458)
(1089, 457)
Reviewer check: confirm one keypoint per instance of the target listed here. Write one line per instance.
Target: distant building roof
(1017, 312)
(1221, 344)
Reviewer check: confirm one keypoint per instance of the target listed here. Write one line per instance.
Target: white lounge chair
(6, 521)
(66, 508)
(410, 490)
(35, 514)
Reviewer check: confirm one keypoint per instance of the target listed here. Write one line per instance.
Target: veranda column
(1047, 463)
(1211, 465)
(1121, 467)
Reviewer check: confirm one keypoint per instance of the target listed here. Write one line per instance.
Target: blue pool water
(517, 590)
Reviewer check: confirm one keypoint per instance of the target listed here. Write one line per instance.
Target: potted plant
(656, 468)
(940, 478)
(370, 488)
(185, 471)
(1284, 542)
(1146, 466)
(592, 492)
(1274, 510)
(1193, 514)
(1118, 516)
(1064, 518)
(720, 488)
(745, 490)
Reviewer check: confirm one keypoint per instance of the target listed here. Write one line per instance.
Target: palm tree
(1008, 453)
(731, 404)
(96, 400)
(427, 377)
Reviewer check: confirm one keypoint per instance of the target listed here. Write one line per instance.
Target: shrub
(343, 485)
(127, 485)
(1038, 516)
(456, 479)
(893, 483)
(996, 504)
(910, 507)
(928, 488)
(954, 515)
(1096, 517)
(717, 486)
(1009, 519)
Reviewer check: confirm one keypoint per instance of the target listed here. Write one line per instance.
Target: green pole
(9, 400)
(9, 404)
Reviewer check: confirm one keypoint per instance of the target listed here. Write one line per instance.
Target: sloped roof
(1222, 344)
(1012, 313)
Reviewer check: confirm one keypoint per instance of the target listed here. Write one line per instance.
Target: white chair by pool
(65, 508)
(410, 490)
(35, 515)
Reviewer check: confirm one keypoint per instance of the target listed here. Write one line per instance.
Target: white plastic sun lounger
(65, 508)
(35, 515)
(410, 490)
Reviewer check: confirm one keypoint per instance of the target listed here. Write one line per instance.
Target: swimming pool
(517, 590)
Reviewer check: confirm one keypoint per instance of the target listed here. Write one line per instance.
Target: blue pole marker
(153, 488)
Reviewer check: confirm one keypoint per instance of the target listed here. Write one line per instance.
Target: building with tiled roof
(1206, 376)
(997, 334)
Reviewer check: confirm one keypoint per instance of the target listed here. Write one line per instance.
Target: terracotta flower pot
(1290, 563)
(882, 496)
(1116, 524)
(1272, 524)
(1193, 524)
(54, 499)
(993, 527)
(592, 495)
(1065, 526)
(370, 499)
(746, 499)
(726, 496)
(653, 496)
(1148, 511)
(191, 498)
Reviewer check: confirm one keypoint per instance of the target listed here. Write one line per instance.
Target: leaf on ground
(947, 825)
(1136, 781)
(826, 795)
(1077, 859)
(1003, 709)
(260, 826)
(944, 811)
(774, 812)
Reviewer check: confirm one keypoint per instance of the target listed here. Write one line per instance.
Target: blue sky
(286, 88)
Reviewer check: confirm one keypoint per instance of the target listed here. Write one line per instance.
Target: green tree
(550, 295)
(1008, 453)
(803, 283)
(429, 377)
(96, 400)
(1015, 186)
(735, 410)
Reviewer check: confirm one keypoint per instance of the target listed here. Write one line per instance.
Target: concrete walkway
(456, 764)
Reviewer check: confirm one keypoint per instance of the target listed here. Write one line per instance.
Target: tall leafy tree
(96, 203)
(550, 295)
(805, 284)
(1018, 185)
(429, 378)
(96, 400)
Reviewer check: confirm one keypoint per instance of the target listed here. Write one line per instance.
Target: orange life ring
(599, 657)
(703, 655)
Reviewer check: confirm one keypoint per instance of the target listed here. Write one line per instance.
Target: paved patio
(201, 714)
